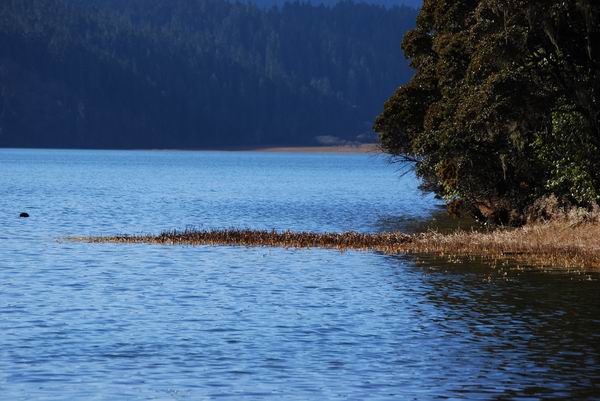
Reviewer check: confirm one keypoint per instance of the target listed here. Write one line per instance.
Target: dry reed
(550, 244)
(385, 242)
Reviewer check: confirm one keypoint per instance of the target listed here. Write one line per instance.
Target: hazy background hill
(386, 3)
(194, 73)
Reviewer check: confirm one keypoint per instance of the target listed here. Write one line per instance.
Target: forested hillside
(193, 73)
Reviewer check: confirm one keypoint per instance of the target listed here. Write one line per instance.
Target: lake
(147, 322)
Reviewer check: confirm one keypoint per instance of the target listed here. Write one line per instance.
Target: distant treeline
(194, 73)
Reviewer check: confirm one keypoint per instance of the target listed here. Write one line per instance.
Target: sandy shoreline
(365, 148)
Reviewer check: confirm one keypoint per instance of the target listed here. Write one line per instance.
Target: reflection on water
(438, 220)
(81, 321)
(530, 332)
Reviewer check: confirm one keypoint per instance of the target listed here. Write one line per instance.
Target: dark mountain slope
(193, 73)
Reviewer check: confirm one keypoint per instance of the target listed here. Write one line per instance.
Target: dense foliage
(503, 109)
(193, 73)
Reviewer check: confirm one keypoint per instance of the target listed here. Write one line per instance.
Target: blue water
(141, 322)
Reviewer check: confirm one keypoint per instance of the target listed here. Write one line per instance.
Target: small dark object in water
(24, 215)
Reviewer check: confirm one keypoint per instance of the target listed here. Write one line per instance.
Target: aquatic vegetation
(551, 244)
(287, 239)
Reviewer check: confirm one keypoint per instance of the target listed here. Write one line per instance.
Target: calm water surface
(141, 322)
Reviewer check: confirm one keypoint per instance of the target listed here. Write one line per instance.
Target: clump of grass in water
(287, 239)
(548, 244)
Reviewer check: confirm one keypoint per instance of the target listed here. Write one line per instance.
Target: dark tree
(503, 108)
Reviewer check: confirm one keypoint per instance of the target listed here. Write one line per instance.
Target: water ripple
(108, 322)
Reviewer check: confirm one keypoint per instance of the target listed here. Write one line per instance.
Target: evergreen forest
(195, 73)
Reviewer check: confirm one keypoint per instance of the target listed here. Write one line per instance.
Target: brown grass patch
(553, 244)
(385, 242)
